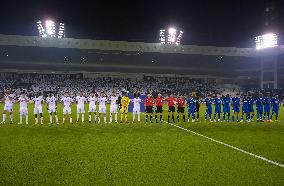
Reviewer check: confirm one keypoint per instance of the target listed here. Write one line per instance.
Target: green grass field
(139, 154)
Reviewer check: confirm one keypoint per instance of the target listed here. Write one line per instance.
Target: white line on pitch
(230, 146)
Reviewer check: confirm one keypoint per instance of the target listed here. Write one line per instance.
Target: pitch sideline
(230, 146)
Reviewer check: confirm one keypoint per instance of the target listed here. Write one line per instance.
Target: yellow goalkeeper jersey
(125, 101)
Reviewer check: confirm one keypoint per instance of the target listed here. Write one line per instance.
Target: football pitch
(141, 154)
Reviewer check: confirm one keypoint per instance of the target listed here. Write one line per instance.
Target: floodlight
(266, 41)
(50, 28)
(170, 36)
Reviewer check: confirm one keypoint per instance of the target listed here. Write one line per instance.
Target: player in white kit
(136, 109)
(51, 101)
(67, 101)
(92, 107)
(102, 107)
(38, 99)
(23, 99)
(8, 107)
(80, 106)
(113, 107)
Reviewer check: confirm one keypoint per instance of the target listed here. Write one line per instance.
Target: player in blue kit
(226, 101)
(244, 108)
(236, 107)
(208, 112)
(275, 107)
(259, 108)
(191, 108)
(251, 107)
(218, 103)
(266, 104)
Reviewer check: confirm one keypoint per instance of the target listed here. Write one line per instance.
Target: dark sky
(204, 22)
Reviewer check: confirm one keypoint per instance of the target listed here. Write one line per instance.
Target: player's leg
(83, 115)
(4, 115)
(133, 115)
(78, 114)
(193, 115)
(56, 117)
(41, 115)
(138, 115)
(104, 113)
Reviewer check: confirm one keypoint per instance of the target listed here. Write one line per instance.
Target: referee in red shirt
(149, 102)
(171, 103)
(181, 105)
(159, 101)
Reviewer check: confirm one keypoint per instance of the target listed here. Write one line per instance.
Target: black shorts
(172, 109)
(159, 109)
(149, 109)
(180, 109)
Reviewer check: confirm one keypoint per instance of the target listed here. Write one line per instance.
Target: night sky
(204, 22)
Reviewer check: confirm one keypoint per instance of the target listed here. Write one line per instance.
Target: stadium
(127, 146)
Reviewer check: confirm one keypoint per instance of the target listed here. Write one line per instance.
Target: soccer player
(149, 103)
(102, 107)
(171, 103)
(245, 108)
(67, 101)
(92, 107)
(80, 99)
(226, 107)
(218, 103)
(23, 99)
(8, 107)
(51, 101)
(191, 108)
(266, 103)
(136, 109)
(124, 107)
(208, 112)
(197, 107)
(275, 107)
(113, 107)
(236, 107)
(38, 100)
(251, 107)
(181, 105)
(159, 101)
(259, 108)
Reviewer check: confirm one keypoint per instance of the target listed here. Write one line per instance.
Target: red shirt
(171, 101)
(181, 102)
(149, 102)
(159, 101)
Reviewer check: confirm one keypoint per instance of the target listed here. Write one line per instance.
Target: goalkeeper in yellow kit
(124, 107)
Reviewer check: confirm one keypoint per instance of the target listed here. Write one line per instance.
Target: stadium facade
(92, 58)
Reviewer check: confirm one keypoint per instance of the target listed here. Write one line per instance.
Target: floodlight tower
(170, 36)
(51, 29)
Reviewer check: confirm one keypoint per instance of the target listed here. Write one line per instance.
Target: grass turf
(139, 154)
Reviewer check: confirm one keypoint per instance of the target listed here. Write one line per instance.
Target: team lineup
(243, 108)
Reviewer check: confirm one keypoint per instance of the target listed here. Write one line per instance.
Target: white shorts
(136, 110)
(8, 108)
(113, 109)
(51, 109)
(38, 110)
(92, 108)
(67, 110)
(80, 109)
(24, 111)
(102, 110)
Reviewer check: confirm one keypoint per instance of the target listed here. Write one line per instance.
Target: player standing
(275, 107)
(171, 103)
(113, 107)
(136, 108)
(67, 101)
(218, 103)
(124, 108)
(80, 99)
(92, 107)
(159, 101)
(259, 108)
(102, 107)
(191, 108)
(23, 99)
(181, 105)
(208, 111)
(51, 101)
(38, 100)
(149, 103)
(236, 107)
(266, 104)
(8, 107)
(226, 107)
(251, 107)
(197, 107)
(245, 109)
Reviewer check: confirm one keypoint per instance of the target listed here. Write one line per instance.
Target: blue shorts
(244, 110)
(209, 111)
(226, 110)
(251, 109)
(267, 109)
(217, 110)
(236, 109)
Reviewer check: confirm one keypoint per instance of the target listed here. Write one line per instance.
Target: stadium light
(50, 28)
(266, 41)
(170, 36)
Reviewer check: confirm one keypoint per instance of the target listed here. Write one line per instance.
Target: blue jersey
(236, 104)
(208, 102)
(226, 104)
(245, 105)
(275, 104)
(191, 104)
(266, 103)
(218, 103)
(250, 104)
(259, 104)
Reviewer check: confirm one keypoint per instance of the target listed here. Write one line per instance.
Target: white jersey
(9, 100)
(113, 100)
(92, 100)
(80, 100)
(102, 101)
(136, 102)
(51, 101)
(23, 102)
(38, 101)
(67, 101)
